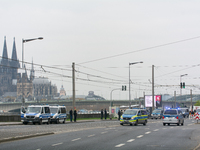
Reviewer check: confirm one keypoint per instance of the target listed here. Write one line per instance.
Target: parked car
(173, 116)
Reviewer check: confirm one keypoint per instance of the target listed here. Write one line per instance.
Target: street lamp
(129, 81)
(24, 41)
(180, 83)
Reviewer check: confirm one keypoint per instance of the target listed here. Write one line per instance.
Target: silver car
(173, 116)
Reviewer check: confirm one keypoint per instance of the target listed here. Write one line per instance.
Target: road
(111, 136)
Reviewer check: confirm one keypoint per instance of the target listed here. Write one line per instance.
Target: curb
(24, 137)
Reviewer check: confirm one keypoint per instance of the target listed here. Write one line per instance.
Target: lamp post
(129, 81)
(24, 41)
(181, 83)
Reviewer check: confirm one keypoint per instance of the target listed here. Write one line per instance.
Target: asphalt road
(109, 135)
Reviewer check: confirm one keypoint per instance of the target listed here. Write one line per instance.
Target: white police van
(58, 113)
(36, 114)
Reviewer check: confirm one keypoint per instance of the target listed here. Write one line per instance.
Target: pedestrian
(101, 114)
(119, 114)
(105, 114)
(75, 115)
(71, 115)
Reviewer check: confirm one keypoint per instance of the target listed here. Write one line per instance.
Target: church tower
(32, 72)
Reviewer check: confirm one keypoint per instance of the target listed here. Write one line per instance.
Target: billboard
(157, 101)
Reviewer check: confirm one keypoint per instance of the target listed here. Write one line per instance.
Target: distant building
(62, 91)
(8, 70)
(92, 96)
(43, 88)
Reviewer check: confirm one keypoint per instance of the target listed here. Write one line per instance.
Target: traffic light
(181, 85)
(184, 85)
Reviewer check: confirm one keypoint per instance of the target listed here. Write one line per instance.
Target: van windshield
(156, 111)
(53, 110)
(130, 112)
(33, 109)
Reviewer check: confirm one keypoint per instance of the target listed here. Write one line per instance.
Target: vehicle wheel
(40, 122)
(48, 122)
(178, 123)
(145, 122)
(64, 121)
(156, 118)
(121, 124)
(25, 123)
(131, 124)
(33, 123)
(168, 124)
(182, 123)
(163, 124)
(136, 123)
(57, 121)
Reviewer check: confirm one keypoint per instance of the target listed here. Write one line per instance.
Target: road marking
(57, 144)
(76, 139)
(139, 136)
(120, 145)
(148, 132)
(131, 140)
(156, 130)
(104, 132)
(91, 135)
(171, 127)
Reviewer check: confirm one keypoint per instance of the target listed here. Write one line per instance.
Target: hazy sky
(122, 31)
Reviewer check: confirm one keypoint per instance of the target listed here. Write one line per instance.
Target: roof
(41, 80)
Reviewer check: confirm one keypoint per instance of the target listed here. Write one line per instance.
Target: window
(47, 110)
(63, 110)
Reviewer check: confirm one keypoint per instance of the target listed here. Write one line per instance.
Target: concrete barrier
(16, 118)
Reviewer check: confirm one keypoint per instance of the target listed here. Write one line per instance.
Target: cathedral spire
(5, 53)
(32, 72)
(14, 53)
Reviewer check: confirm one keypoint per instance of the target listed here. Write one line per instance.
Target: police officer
(71, 115)
(75, 115)
(105, 114)
(101, 114)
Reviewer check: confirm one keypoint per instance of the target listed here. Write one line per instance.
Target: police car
(36, 114)
(134, 117)
(157, 114)
(58, 113)
(173, 116)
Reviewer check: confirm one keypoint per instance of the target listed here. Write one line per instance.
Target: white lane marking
(147, 132)
(171, 127)
(131, 140)
(91, 135)
(120, 145)
(56, 144)
(76, 139)
(103, 132)
(156, 130)
(139, 136)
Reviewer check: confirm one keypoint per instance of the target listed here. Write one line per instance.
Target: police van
(36, 114)
(134, 117)
(58, 113)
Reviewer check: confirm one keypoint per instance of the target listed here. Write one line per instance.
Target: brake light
(177, 117)
(163, 117)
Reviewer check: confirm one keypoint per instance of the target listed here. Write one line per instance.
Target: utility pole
(73, 84)
(191, 100)
(153, 87)
(175, 99)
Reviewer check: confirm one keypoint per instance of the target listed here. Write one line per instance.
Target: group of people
(71, 115)
(105, 113)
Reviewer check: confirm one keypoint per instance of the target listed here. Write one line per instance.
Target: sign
(149, 101)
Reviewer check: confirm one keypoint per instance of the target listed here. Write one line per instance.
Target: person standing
(75, 115)
(119, 114)
(71, 115)
(101, 114)
(105, 114)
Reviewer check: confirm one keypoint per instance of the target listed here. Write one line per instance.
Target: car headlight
(158, 114)
(133, 117)
(38, 115)
(121, 117)
(151, 114)
(24, 115)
